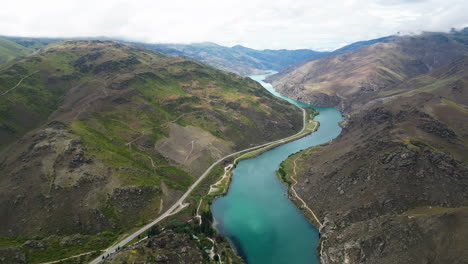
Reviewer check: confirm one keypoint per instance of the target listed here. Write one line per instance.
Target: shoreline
(257, 152)
(293, 196)
(179, 204)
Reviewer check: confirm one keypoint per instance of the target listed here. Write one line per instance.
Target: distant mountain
(14, 47)
(97, 137)
(361, 44)
(238, 59)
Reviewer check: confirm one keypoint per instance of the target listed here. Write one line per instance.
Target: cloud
(254, 23)
(398, 2)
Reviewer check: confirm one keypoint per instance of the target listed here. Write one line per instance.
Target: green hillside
(99, 136)
(10, 50)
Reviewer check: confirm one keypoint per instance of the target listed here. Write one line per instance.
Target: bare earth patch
(192, 147)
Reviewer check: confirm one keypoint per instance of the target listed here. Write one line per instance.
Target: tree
(153, 231)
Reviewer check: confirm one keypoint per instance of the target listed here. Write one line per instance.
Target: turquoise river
(260, 221)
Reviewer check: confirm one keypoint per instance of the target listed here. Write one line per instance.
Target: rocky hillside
(238, 59)
(97, 137)
(342, 80)
(392, 187)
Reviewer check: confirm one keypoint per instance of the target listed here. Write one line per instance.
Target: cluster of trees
(205, 227)
(283, 175)
(153, 231)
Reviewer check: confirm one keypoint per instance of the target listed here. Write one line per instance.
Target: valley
(85, 125)
(254, 211)
(238, 59)
(127, 152)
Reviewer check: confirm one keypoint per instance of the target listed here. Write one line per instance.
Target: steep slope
(98, 137)
(238, 59)
(10, 50)
(392, 187)
(348, 77)
(345, 49)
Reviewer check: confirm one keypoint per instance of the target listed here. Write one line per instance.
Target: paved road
(179, 205)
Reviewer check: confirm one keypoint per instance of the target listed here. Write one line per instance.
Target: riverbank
(180, 205)
(288, 172)
(256, 214)
(222, 185)
(199, 196)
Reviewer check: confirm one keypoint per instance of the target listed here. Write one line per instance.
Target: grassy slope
(106, 95)
(10, 50)
(15, 47)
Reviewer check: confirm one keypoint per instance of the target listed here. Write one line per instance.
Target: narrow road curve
(227, 169)
(198, 215)
(179, 205)
(297, 196)
(18, 84)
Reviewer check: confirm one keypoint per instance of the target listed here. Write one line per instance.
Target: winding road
(179, 205)
(18, 84)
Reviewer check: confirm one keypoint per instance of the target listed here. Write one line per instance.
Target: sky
(260, 24)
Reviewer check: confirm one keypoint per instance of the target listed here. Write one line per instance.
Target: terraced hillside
(98, 137)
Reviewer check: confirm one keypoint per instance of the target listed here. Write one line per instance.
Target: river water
(256, 215)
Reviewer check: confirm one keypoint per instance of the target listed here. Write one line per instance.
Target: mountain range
(237, 59)
(99, 137)
(247, 61)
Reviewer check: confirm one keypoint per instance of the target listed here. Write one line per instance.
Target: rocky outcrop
(420, 236)
(439, 129)
(165, 247)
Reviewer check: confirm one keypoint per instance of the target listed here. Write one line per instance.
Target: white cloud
(254, 23)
